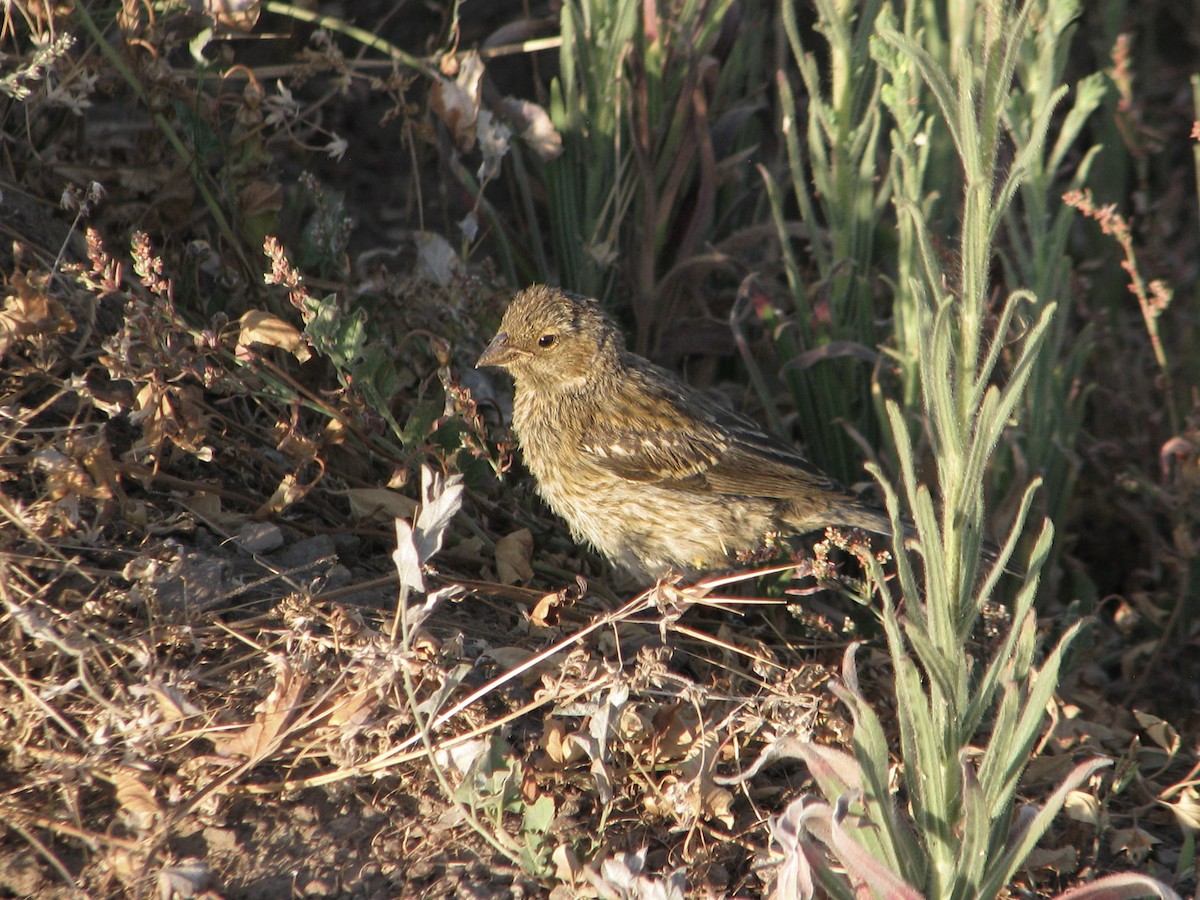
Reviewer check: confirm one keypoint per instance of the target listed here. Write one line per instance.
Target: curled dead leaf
(1159, 730)
(554, 742)
(545, 613)
(457, 102)
(171, 413)
(1082, 807)
(289, 491)
(259, 327)
(514, 557)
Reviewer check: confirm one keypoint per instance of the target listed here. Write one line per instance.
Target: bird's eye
(546, 340)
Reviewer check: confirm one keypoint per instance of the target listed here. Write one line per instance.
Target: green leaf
(539, 815)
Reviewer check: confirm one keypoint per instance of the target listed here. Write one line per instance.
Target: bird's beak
(499, 353)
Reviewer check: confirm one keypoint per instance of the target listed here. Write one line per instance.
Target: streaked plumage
(640, 465)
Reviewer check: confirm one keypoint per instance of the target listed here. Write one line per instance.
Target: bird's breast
(549, 430)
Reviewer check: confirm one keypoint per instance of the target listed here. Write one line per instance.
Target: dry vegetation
(279, 616)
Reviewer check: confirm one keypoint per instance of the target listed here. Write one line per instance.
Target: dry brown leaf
(545, 611)
(64, 478)
(1077, 726)
(170, 413)
(259, 198)
(717, 803)
(514, 557)
(93, 453)
(1159, 730)
(265, 735)
(379, 504)
(679, 734)
(136, 800)
(1135, 843)
(557, 744)
(289, 491)
(1083, 807)
(259, 327)
(30, 311)
(535, 127)
(298, 448)
(1063, 860)
(354, 708)
(208, 506)
(457, 102)
(568, 870)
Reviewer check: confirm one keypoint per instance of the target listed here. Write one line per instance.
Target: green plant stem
(364, 37)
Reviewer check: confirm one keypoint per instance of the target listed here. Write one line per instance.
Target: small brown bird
(641, 466)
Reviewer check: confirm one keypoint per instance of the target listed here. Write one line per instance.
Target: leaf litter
(251, 648)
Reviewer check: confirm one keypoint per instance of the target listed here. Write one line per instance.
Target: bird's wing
(653, 451)
(653, 435)
(762, 465)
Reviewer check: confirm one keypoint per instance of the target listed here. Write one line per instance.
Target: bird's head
(553, 340)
